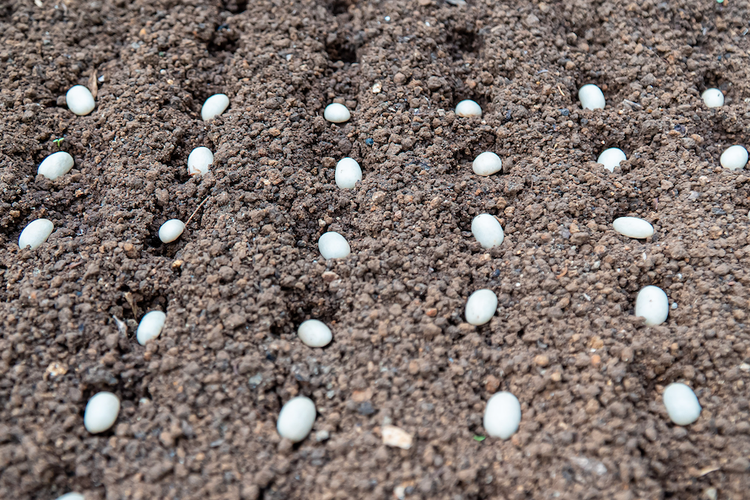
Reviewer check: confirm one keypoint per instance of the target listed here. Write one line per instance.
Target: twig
(631, 103)
(196, 210)
(561, 92)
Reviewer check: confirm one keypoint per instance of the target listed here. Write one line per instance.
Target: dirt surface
(199, 405)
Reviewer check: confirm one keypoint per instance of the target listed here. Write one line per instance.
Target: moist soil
(199, 404)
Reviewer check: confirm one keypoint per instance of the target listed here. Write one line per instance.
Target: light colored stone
(591, 97)
(171, 230)
(80, 100)
(55, 165)
(682, 404)
(199, 160)
(336, 113)
(101, 412)
(633, 227)
(502, 415)
(35, 233)
(734, 158)
(467, 108)
(481, 307)
(150, 326)
(296, 419)
(314, 333)
(333, 246)
(348, 173)
(487, 163)
(713, 98)
(396, 437)
(652, 303)
(487, 230)
(214, 106)
(611, 158)
(71, 496)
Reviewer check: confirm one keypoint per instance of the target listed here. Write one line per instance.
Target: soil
(199, 405)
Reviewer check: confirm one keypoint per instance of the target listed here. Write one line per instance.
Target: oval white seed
(481, 307)
(296, 419)
(502, 416)
(199, 160)
(171, 230)
(487, 163)
(55, 165)
(652, 303)
(101, 412)
(35, 233)
(734, 158)
(468, 108)
(611, 158)
(487, 230)
(314, 333)
(591, 97)
(71, 496)
(713, 98)
(214, 106)
(682, 404)
(633, 227)
(348, 173)
(333, 246)
(80, 100)
(150, 326)
(336, 113)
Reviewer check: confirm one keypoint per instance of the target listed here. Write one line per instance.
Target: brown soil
(199, 405)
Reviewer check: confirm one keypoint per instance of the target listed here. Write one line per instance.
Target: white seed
(214, 106)
(633, 227)
(396, 437)
(333, 246)
(591, 97)
(79, 100)
(611, 158)
(682, 404)
(468, 108)
(296, 419)
(314, 333)
(171, 230)
(487, 163)
(101, 412)
(55, 165)
(481, 307)
(713, 98)
(336, 113)
(35, 233)
(734, 158)
(71, 496)
(199, 160)
(652, 303)
(150, 326)
(487, 230)
(502, 415)
(348, 173)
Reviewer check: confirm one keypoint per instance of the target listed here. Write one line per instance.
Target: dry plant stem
(196, 210)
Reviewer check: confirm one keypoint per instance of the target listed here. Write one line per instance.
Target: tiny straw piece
(196, 210)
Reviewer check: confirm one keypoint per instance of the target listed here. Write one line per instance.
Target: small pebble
(652, 303)
(487, 163)
(396, 437)
(336, 113)
(734, 158)
(71, 496)
(214, 106)
(348, 173)
(199, 160)
(101, 412)
(35, 233)
(481, 307)
(591, 97)
(487, 230)
(296, 419)
(55, 165)
(171, 230)
(333, 246)
(633, 227)
(713, 98)
(80, 100)
(468, 108)
(502, 415)
(314, 333)
(150, 326)
(611, 158)
(682, 404)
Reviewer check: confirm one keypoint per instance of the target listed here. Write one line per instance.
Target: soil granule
(199, 405)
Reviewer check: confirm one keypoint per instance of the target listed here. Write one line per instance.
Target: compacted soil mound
(200, 403)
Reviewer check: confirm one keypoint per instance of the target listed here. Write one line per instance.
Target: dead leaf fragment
(93, 84)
